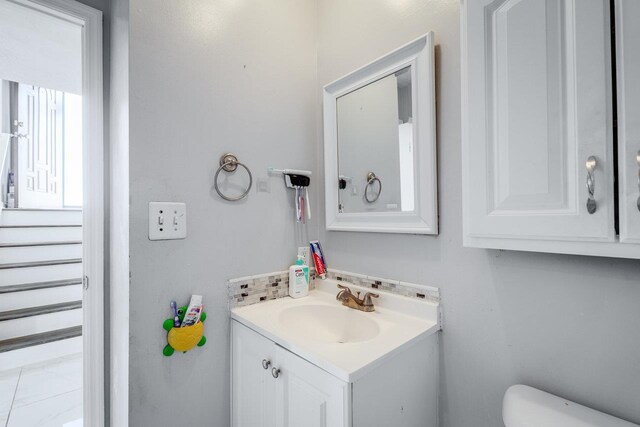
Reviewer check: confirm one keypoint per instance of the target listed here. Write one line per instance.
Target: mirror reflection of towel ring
(229, 163)
(371, 179)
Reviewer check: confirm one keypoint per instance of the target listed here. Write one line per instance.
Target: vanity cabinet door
(253, 387)
(628, 85)
(308, 396)
(537, 101)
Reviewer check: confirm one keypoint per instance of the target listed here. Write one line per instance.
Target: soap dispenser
(299, 279)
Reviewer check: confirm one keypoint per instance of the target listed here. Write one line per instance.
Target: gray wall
(566, 324)
(208, 77)
(212, 76)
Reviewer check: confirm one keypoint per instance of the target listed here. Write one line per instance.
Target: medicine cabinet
(380, 145)
(540, 85)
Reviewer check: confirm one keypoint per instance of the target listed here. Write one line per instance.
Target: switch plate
(167, 220)
(262, 186)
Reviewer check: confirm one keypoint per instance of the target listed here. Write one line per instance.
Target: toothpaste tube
(192, 316)
(318, 259)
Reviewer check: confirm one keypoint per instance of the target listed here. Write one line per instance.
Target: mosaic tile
(265, 287)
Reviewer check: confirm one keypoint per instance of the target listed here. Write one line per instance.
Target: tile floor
(47, 394)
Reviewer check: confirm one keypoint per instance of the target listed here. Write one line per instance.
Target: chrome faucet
(353, 301)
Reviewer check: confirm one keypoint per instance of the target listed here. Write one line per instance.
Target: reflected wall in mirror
(380, 144)
(375, 139)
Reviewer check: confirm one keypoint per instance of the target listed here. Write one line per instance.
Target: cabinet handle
(266, 363)
(638, 162)
(591, 184)
(275, 372)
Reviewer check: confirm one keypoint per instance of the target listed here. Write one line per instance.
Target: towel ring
(371, 178)
(229, 163)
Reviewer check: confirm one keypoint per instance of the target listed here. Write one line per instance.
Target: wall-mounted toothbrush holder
(298, 180)
(186, 337)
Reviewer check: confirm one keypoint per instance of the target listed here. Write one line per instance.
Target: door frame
(90, 20)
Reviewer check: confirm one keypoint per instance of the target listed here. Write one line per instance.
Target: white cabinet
(253, 386)
(308, 396)
(273, 387)
(628, 84)
(538, 150)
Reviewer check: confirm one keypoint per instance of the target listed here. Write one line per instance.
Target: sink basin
(330, 324)
(343, 341)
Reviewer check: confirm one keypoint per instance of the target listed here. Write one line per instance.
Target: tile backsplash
(397, 287)
(264, 287)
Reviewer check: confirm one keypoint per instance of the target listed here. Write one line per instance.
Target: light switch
(167, 220)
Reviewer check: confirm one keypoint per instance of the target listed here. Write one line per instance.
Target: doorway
(51, 214)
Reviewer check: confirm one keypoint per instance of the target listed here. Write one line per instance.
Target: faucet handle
(368, 296)
(344, 288)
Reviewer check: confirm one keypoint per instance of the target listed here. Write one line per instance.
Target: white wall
(566, 324)
(39, 49)
(118, 225)
(208, 77)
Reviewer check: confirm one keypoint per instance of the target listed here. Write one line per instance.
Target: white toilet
(525, 406)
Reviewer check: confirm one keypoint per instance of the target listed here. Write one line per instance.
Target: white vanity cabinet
(273, 387)
(538, 126)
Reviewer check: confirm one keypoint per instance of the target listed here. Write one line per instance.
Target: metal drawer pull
(638, 162)
(275, 372)
(591, 183)
(266, 363)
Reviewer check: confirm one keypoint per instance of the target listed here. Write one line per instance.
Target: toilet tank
(525, 406)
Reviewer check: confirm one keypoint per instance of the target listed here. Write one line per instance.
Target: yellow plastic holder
(185, 338)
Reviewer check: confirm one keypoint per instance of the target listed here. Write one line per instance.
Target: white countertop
(401, 320)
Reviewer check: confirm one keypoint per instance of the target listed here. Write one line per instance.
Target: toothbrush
(306, 195)
(297, 206)
(176, 319)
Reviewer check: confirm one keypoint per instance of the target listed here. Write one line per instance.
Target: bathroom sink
(343, 341)
(330, 324)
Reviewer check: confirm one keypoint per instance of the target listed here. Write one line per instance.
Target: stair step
(32, 244)
(39, 285)
(19, 217)
(40, 263)
(30, 235)
(22, 254)
(37, 311)
(19, 276)
(39, 339)
(46, 225)
(40, 297)
(38, 321)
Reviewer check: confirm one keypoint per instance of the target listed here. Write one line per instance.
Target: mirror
(379, 124)
(375, 146)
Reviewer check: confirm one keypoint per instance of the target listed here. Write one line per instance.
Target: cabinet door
(308, 396)
(537, 104)
(628, 84)
(253, 387)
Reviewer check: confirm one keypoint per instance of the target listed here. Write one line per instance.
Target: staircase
(40, 285)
